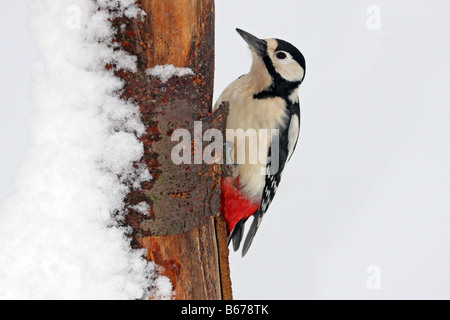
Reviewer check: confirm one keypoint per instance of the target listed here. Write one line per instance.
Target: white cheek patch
(289, 70)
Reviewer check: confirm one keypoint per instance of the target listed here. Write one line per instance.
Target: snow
(165, 72)
(142, 207)
(58, 237)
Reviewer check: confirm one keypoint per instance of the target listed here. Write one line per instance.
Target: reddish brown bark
(179, 231)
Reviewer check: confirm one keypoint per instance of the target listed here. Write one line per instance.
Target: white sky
(369, 183)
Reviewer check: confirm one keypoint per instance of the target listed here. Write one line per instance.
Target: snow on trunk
(59, 236)
(165, 72)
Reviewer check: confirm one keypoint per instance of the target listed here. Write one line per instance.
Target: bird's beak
(259, 45)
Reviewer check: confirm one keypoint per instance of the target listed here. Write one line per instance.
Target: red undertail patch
(234, 206)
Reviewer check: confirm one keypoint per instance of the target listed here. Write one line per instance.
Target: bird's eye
(281, 55)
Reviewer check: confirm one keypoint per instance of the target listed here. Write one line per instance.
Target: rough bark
(182, 231)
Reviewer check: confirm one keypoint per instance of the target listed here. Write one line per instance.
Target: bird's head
(283, 61)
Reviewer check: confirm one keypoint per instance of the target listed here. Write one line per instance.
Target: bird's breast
(256, 119)
(249, 113)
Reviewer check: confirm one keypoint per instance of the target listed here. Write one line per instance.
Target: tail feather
(257, 218)
(237, 235)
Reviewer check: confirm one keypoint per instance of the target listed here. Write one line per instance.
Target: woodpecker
(264, 99)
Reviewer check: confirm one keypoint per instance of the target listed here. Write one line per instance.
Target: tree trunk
(182, 231)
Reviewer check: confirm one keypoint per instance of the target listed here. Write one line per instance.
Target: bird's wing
(270, 188)
(294, 131)
(285, 142)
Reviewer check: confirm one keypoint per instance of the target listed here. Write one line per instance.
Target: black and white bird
(265, 101)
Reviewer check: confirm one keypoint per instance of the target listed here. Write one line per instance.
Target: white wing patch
(294, 129)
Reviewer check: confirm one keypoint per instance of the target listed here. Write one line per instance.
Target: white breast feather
(249, 113)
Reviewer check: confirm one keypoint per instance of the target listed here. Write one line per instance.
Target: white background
(369, 184)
